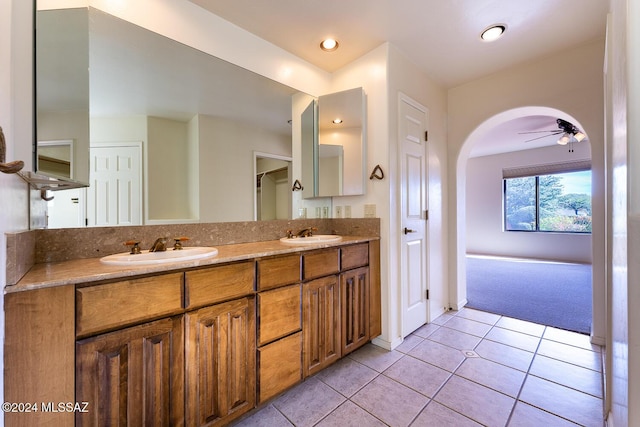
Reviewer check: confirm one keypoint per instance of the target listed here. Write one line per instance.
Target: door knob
(408, 230)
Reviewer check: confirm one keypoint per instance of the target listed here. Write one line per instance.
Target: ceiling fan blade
(540, 131)
(543, 136)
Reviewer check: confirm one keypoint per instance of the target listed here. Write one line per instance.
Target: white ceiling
(442, 37)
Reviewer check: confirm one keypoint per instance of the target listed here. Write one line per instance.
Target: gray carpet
(553, 294)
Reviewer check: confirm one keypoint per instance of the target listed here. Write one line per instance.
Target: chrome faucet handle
(178, 243)
(135, 246)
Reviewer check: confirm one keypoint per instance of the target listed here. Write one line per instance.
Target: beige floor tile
(436, 415)
(468, 326)
(308, 402)
(390, 401)
(505, 354)
(438, 354)
(514, 339)
(477, 402)
(567, 374)
(479, 316)
(565, 402)
(375, 357)
(418, 375)
(570, 354)
(409, 343)
(455, 339)
(425, 330)
(346, 376)
(571, 338)
(521, 326)
(265, 417)
(493, 375)
(350, 415)
(444, 318)
(527, 416)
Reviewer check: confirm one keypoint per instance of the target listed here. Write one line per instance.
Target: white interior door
(115, 194)
(412, 123)
(67, 209)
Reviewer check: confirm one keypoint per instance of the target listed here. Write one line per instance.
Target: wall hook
(297, 186)
(10, 167)
(377, 173)
(43, 196)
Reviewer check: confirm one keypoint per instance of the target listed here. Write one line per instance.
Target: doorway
(272, 192)
(520, 244)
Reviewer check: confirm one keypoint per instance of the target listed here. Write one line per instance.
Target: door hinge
(427, 293)
(426, 135)
(426, 214)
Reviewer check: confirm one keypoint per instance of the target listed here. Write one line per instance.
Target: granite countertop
(80, 271)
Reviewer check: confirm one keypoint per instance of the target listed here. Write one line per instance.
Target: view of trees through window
(557, 203)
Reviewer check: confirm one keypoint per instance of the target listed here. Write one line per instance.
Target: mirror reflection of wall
(198, 119)
(55, 158)
(62, 87)
(338, 150)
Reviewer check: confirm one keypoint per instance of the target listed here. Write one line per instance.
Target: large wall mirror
(178, 126)
(334, 145)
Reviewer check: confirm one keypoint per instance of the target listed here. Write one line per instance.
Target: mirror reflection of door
(67, 209)
(273, 187)
(115, 194)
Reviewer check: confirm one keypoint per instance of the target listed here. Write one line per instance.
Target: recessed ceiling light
(493, 32)
(337, 121)
(329, 45)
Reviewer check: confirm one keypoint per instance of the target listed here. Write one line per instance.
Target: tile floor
(467, 368)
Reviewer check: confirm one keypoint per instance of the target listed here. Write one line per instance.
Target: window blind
(547, 169)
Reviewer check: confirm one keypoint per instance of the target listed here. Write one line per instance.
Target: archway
(465, 238)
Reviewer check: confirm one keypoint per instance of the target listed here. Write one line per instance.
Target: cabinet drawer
(278, 271)
(279, 313)
(321, 263)
(104, 307)
(212, 285)
(354, 256)
(279, 366)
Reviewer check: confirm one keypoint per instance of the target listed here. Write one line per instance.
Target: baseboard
(459, 305)
(386, 344)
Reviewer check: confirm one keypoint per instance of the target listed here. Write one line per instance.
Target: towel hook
(297, 186)
(9, 167)
(377, 173)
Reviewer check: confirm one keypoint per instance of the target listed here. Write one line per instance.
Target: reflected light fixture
(329, 45)
(337, 121)
(493, 32)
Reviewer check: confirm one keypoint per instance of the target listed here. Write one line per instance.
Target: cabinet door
(321, 324)
(134, 376)
(220, 362)
(354, 300)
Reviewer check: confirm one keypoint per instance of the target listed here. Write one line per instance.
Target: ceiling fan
(570, 133)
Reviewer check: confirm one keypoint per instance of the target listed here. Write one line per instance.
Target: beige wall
(226, 166)
(484, 208)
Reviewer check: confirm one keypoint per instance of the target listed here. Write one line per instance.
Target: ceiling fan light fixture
(493, 33)
(564, 139)
(579, 136)
(329, 45)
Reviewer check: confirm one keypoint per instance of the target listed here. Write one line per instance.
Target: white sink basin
(311, 240)
(146, 257)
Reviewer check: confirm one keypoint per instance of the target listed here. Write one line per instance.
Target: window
(557, 202)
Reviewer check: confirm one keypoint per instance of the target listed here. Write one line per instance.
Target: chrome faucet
(160, 245)
(306, 232)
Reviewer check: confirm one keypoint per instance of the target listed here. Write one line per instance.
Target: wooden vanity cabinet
(134, 376)
(321, 324)
(220, 362)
